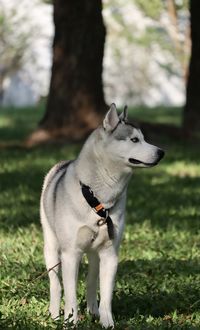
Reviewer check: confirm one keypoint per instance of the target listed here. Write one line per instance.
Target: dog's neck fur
(106, 178)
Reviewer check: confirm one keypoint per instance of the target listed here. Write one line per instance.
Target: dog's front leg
(70, 266)
(108, 268)
(92, 281)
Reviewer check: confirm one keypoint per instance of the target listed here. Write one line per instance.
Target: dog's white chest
(88, 238)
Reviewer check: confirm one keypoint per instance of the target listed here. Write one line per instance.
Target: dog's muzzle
(160, 155)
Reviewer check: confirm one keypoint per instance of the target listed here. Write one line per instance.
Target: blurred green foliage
(154, 8)
(14, 41)
(151, 8)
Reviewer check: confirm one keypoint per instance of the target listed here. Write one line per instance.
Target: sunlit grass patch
(160, 115)
(184, 169)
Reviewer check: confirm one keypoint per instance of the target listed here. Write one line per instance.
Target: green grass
(16, 124)
(160, 115)
(158, 280)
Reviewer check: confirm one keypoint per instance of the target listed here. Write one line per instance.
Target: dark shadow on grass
(22, 188)
(21, 182)
(172, 200)
(142, 290)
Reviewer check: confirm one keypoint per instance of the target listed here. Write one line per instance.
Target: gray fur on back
(51, 184)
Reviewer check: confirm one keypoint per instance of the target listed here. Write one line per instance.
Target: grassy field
(158, 280)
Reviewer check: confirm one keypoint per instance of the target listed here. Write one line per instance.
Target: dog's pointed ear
(124, 115)
(111, 119)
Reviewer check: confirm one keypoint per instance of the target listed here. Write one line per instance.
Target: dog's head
(124, 143)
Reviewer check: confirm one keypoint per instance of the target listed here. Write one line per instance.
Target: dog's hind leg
(51, 254)
(70, 265)
(92, 281)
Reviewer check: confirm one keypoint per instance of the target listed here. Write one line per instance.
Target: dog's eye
(135, 140)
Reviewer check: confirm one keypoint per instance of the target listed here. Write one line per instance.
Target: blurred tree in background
(180, 45)
(26, 31)
(76, 103)
(191, 120)
(76, 96)
(12, 53)
(147, 51)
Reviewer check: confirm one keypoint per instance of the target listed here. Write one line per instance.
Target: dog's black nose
(160, 154)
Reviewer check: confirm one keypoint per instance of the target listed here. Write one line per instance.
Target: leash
(33, 280)
(46, 272)
(99, 209)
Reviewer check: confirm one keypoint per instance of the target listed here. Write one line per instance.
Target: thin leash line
(32, 281)
(46, 272)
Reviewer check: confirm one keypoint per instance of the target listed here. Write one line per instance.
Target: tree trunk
(191, 119)
(76, 103)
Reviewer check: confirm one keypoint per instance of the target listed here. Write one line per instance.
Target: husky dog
(82, 211)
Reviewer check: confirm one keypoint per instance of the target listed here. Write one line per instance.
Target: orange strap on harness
(99, 207)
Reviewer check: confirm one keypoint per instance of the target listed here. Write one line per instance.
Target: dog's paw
(106, 319)
(70, 318)
(92, 308)
(107, 323)
(54, 314)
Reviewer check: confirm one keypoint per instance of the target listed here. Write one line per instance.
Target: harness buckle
(101, 222)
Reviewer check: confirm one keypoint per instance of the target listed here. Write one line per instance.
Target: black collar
(98, 208)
